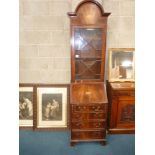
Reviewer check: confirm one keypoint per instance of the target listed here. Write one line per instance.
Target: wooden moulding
(121, 131)
(72, 14)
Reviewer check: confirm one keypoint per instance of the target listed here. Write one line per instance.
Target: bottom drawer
(83, 135)
(88, 125)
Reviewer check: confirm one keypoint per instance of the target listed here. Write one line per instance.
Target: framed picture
(121, 64)
(26, 101)
(51, 107)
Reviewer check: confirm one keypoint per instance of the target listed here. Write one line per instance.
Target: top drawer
(88, 108)
(125, 93)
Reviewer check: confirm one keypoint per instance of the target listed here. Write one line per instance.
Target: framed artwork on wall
(51, 107)
(121, 64)
(26, 103)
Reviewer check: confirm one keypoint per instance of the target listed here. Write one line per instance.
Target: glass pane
(88, 42)
(88, 52)
(87, 69)
(122, 65)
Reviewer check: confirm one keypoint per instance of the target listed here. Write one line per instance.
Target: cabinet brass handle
(97, 115)
(78, 124)
(97, 125)
(84, 107)
(77, 116)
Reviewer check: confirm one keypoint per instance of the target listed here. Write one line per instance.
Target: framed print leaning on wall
(121, 64)
(26, 101)
(51, 107)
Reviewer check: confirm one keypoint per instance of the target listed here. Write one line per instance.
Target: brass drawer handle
(77, 115)
(97, 125)
(78, 124)
(98, 108)
(93, 107)
(98, 115)
(84, 107)
(79, 107)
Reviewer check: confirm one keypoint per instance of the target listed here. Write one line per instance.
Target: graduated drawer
(88, 115)
(83, 135)
(88, 125)
(88, 108)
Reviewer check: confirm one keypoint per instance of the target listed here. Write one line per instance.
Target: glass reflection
(88, 42)
(88, 52)
(122, 65)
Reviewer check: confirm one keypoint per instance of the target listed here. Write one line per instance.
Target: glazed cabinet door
(88, 57)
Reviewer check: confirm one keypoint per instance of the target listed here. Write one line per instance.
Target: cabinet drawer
(88, 108)
(88, 135)
(129, 98)
(77, 115)
(97, 108)
(125, 93)
(88, 125)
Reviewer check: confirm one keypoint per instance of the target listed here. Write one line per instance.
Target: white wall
(45, 36)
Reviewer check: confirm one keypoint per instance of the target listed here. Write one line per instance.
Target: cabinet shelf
(82, 74)
(88, 77)
(95, 50)
(88, 58)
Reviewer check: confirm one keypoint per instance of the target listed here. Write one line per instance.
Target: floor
(58, 143)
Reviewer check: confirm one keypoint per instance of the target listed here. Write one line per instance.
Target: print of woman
(47, 110)
(28, 104)
(54, 108)
(51, 109)
(25, 109)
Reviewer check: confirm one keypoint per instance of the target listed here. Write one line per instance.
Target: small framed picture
(51, 110)
(26, 101)
(121, 64)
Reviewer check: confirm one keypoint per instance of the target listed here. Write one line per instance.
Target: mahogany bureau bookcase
(88, 97)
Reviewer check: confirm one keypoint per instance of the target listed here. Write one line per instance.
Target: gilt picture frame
(121, 64)
(51, 108)
(26, 105)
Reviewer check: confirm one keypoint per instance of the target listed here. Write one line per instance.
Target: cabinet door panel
(88, 42)
(126, 114)
(88, 46)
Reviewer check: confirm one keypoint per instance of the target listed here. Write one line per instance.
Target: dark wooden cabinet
(88, 105)
(121, 96)
(88, 98)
